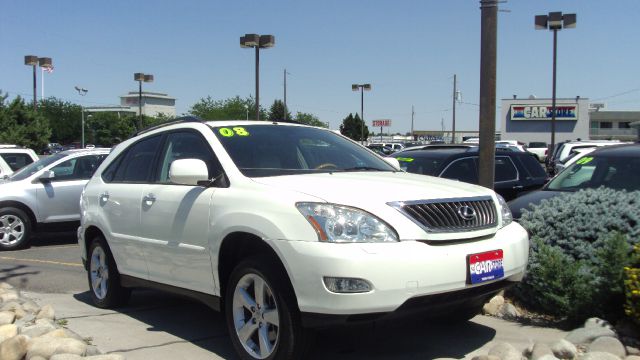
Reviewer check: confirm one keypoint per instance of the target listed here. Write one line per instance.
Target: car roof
(453, 151)
(88, 151)
(622, 150)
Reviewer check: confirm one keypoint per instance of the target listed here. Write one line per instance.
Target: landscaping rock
(599, 356)
(505, 351)
(8, 331)
(10, 306)
(93, 350)
(63, 333)
(7, 317)
(563, 349)
(632, 357)
(540, 350)
(14, 348)
(587, 335)
(46, 312)
(490, 309)
(486, 357)
(47, 347)
(9, 295)
(632, 350)
(6, 286)
(37, 330)
(508, 311)
(548, 357)
(609, 345)
(597, 322)
(121, 357)
(30, 306)
(66, 357)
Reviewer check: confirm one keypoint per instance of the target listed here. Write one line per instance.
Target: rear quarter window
(532, 166)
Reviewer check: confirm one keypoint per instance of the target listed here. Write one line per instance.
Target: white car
(575, 155)
(287, 227)
(12, 158)
(45, 195)
(539, 149)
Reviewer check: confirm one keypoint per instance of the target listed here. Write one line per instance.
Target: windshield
(271, 149)
(620, 173)
(33, 168)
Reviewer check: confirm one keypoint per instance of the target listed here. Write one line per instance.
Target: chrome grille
(451, 215)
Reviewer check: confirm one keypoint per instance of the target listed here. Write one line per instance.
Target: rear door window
(137, 164)
(462, 169)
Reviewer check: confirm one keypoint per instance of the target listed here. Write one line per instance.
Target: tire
(275, 319)
(15, 229)
(103, 277)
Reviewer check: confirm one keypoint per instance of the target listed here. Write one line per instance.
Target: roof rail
(182, 119)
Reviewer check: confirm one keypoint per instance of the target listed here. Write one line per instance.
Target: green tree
(65, 119)
(309, 119)
(108, 128)
(276, 112)
(230, 109)
(352, 127)
(21, 125)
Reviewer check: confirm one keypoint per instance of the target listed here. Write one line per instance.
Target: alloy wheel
(99, 272)
(12, 229)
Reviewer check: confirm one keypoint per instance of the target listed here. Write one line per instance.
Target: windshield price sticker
(485, 266)
(404, 159)
(229, 132)
(584, 160)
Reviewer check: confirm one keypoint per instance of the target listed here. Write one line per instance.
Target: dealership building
(528, 120)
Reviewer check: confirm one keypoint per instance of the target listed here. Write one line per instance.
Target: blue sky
(407, 49)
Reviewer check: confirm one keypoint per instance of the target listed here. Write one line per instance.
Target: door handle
(518, 187)
(104, 197)
(149, 199)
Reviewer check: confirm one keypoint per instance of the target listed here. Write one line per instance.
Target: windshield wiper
(362, 168)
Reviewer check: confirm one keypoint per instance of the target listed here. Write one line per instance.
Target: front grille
(446, 215)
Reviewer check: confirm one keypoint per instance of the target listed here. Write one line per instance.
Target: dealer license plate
(485, 266)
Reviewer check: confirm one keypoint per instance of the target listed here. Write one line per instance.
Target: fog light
(346, 285)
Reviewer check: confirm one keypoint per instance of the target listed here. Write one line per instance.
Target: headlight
(505, 212)
(342, 224)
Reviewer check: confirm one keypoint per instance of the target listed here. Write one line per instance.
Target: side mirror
(393, 161)
(188, 171)
(47, 176)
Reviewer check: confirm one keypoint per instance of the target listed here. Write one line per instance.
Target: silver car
(45, 195)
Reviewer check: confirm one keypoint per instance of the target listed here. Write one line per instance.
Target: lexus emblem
(466, 212)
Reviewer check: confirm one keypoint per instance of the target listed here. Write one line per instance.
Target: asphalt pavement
(157, 325)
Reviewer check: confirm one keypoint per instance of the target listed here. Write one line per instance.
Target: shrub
(580, 243)
(632, 287)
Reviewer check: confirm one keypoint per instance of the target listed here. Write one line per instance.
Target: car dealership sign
(544, 112)
(381, 123)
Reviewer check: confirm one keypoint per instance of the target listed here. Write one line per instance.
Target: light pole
(82, 92)
(246, 108)
(258, 42)
(554, 21)
(32, 60)
(362, 88)
(141, 77)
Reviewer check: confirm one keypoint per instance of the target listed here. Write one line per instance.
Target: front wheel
(262, 315)
(15, 228)
(103, 276)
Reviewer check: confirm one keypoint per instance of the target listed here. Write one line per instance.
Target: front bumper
(398, 271)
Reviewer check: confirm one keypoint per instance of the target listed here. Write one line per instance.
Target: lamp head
(31, 60)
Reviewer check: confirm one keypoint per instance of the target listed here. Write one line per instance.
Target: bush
(632, 287)
(580, 243)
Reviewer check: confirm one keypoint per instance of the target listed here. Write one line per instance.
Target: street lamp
(82, 92)
(362, 88)
(258, 42)
(554, 21)
(246, 108)
(140, 77)
(32, 60)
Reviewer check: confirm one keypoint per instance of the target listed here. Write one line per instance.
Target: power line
(616, 95)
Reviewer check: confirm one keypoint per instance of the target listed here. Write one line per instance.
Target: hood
(372, 191)
(532, 198)
(358, 188)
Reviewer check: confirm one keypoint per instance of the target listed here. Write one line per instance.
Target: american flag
(48, 69)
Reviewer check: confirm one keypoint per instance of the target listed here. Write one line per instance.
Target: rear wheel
(15, 228)
(103, 276)
(262, 315)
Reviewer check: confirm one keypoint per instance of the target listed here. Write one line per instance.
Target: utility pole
(488, 51)
(412, 113)
(285, 94)
(453, 126)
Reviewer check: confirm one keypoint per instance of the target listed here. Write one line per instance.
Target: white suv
(289, 227)
(13, 157)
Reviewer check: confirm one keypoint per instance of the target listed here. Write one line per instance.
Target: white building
(153, 104)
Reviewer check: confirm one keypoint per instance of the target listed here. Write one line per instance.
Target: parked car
(576, 154)
(380, 149)
(392, 146)
(515, 171)
(52, 148)
(13, 158)
(517, 144)
(616, 167)
(44, 195)
(539, 149)
(287, 227)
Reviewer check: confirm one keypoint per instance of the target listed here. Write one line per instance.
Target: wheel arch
(89, 234)
(238, 246)
(23, 207)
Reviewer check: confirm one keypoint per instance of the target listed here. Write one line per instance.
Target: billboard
(544, 112)
(382, 123)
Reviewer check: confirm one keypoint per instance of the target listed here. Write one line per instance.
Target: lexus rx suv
(287, 227)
